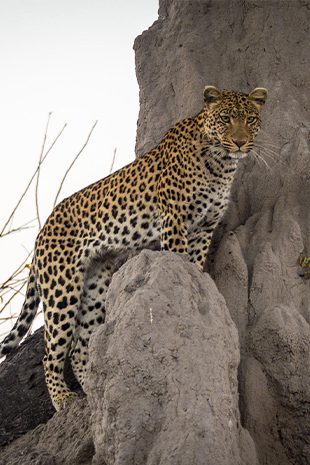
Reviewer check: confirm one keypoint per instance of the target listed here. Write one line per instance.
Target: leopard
(176, 195)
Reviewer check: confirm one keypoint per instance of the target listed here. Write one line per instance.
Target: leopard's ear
(258, 96)
(211, 94)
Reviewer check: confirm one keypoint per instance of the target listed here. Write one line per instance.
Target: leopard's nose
(239, 141)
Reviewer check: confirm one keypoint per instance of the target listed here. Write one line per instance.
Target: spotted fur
(176, 194)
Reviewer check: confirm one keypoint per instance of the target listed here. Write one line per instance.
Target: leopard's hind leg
(61, 303)
(91, 314)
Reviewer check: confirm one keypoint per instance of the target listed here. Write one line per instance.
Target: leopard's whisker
(259, 157)
(274, 157)
(261, 162)
(264, 151)
(262, 145)
(269, 144)
(256, 157)
(268, 150)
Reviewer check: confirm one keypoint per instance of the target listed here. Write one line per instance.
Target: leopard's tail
(26, 316)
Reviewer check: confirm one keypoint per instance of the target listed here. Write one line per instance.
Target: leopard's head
(232, 119)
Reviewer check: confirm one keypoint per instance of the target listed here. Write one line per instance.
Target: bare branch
(54, 141)
(39, 169)
(18, 270)
(19, 228)
(30, 182)
(7, 318)
(73, 161)
(17, 291)
(15, 284)
(113, 161)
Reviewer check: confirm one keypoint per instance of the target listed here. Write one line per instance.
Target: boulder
(162, 381)
(25, 402)
(64, 440)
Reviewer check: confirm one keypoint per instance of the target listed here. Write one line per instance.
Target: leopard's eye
(225, 118)
(251, 119)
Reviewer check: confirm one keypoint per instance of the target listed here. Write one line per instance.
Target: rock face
(241, 45)
(162, 384)
(25, 402)
(65, 440)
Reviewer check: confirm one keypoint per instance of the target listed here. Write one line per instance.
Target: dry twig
(73, 161)
(14, 284)
(113, 161)
(3, 230)
(39, 170)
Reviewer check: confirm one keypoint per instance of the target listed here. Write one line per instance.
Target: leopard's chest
(208, 205)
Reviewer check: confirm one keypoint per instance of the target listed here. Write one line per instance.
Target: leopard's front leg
(172, 209)
(198, 246)
(174, 232)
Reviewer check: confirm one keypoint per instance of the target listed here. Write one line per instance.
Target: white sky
(75, 59)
